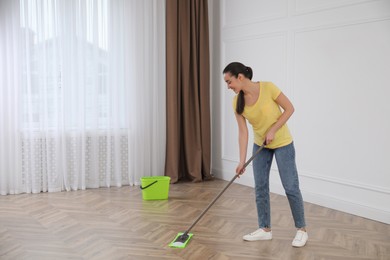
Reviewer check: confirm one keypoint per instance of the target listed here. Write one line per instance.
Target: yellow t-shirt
(263, 114)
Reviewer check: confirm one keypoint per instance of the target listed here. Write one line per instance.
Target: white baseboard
(353, 199)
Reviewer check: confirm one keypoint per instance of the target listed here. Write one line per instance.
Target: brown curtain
(188, 90)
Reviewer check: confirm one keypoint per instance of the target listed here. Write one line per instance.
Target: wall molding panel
(345, 182)
(277, 10)
(302, 7)
(339, 25)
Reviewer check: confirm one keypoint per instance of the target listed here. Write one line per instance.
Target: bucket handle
(142, 188)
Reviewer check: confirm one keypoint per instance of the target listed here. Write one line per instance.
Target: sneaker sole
(256, 239)
(298, 246)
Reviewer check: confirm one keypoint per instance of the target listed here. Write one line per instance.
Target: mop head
(181, 240)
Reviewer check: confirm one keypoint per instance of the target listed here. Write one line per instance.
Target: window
(66, 61)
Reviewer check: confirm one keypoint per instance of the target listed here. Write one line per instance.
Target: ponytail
(249, 73)
(240, 103)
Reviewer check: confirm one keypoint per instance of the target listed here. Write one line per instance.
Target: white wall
(332, 59)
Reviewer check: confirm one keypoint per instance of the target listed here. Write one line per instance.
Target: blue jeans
(285, 159)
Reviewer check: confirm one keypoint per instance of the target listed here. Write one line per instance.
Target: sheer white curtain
(82, 96)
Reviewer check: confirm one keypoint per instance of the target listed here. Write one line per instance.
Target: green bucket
(155, 187)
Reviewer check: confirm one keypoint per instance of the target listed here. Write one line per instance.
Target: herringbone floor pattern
(115, 223)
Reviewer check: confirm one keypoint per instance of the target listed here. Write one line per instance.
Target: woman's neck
(250, 88)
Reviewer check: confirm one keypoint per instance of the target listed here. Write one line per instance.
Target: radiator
(74, 161)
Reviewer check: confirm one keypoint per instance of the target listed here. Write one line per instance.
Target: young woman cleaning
(267, 109)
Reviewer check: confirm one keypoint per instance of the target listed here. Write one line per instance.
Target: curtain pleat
(188, 99)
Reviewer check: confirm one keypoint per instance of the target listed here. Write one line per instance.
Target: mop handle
(219, 195)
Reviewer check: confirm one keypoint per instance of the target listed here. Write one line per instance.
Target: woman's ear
(240, 76)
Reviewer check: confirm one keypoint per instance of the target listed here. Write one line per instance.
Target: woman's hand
(269, 137)
(240, 169)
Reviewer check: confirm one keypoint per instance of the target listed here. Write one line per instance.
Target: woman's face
(232, 82)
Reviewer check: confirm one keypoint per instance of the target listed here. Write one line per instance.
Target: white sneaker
(259, 234)
(300, 239)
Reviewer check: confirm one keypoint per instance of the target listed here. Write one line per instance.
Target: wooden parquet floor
(115, 223)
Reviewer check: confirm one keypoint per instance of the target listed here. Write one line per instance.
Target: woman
(260, 103)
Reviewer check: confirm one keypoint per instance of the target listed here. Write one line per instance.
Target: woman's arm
(242, 141)
(288, 109)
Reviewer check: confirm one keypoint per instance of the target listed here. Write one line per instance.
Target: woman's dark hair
(234, 69)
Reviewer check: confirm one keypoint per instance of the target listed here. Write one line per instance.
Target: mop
(182, 238)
